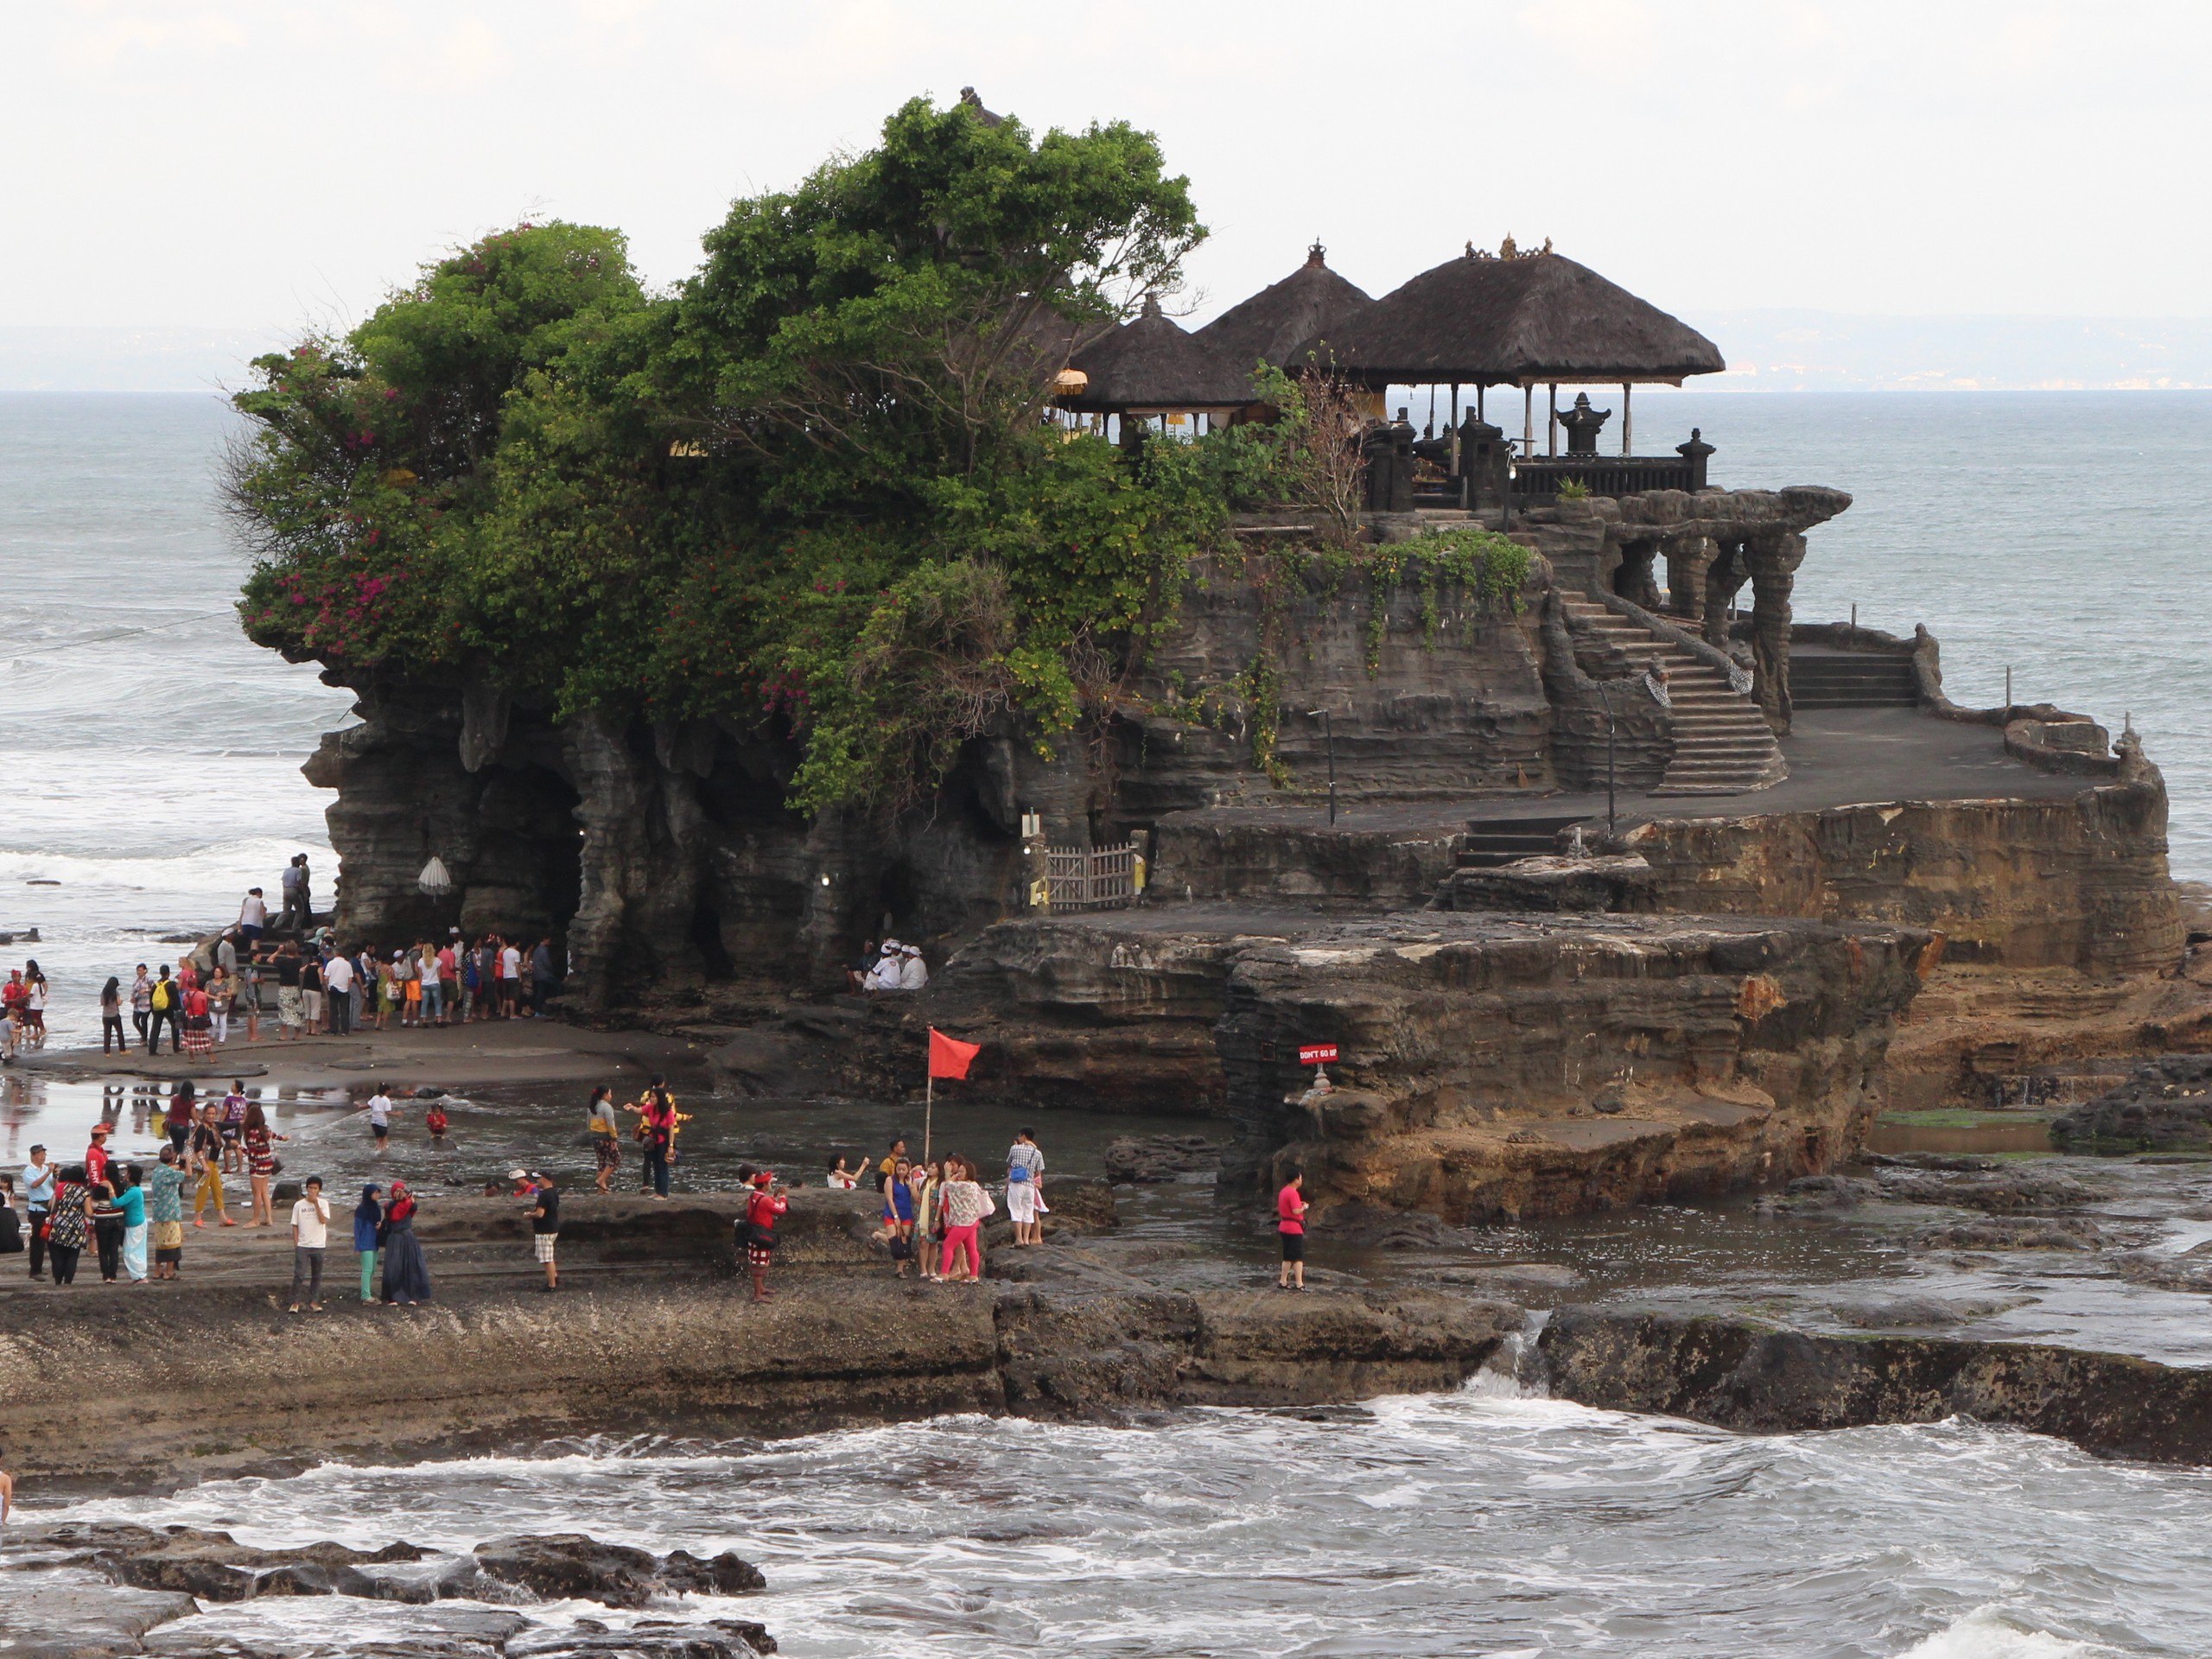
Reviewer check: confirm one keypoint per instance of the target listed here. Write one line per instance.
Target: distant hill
(1831, 351)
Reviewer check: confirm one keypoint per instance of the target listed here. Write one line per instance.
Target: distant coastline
(1767, 350)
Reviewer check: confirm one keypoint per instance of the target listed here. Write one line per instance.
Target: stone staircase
(1723, 745)
(1836, 679)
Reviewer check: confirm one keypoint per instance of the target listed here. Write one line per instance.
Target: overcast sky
(267, 163)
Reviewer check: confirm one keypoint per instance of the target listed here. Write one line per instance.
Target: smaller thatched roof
(1150, 363)
(1279, 324)
(1517, 321)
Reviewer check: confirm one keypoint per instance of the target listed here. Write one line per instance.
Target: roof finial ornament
(1509, 249)
(1470, 247)
(1152, 305)
(1548, 245)
(973, 105)
(1317, 255)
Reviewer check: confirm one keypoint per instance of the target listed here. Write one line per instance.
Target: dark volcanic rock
(1814, 1192)
(1374, 1228)
(1745, 1377)
(725, 1574)
(565, 1566)
(1154, 1160)
(2008, 1193)
(2166, 1105)
(724, 1639)
(214, 1567)
(2016, 1233)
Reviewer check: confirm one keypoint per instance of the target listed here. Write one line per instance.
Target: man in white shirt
(379, 1110)
(913, 974)
(510, 980)
(338, 984)
(884, 977)
(310, 1234)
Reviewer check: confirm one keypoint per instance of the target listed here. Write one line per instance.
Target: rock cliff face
(663, 854)
(2079, 882)
(1492, 1066)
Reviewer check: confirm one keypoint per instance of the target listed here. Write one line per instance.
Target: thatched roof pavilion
(1150, 365)
(1521, 320)
(1281, 323)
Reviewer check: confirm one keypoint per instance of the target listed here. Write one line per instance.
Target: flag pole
(929, 1105)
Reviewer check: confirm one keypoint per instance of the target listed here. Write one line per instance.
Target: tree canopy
(810, 487)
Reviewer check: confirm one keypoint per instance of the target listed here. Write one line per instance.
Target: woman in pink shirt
(1290, 1223)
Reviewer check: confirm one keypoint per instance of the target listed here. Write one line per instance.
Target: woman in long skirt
(199, 1029)
(406, 1275)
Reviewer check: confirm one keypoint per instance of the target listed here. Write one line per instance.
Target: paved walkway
(1838, 757)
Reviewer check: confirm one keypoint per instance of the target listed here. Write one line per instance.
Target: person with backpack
(165, 1003)
(656, 1128)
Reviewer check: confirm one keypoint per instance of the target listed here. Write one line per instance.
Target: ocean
(150, 758)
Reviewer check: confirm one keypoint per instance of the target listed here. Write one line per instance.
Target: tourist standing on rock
(762, 1212)
(112, 1016)
(235, 1105)
(142, 1005)
(368, 1234)
(204, 1162)
(899, 1213)
(314, 982)
(165, 1210)
(177, 1121)
(130, 1199)
(927, 1182)
(1025, 1175)
(253, 917)
(967, 1206)
(606, 1142)
(545, 1225)
(34, 993)
(406, 1275)
(407, 984)
(69, 1223)
(96, 1155)
(260, 1162)
(291, 1008)
(510, 980)
(199, 1024)
(107, 1224)
(432, 1010)
(38, 1204)
(544, 975)
(310, 1238)
(222, 992)
(380, 1111)
(657, 1133)
(250, 994)
(1290, 1226)
(167, 1002)
(841, 1177)
(339, 979)
(293, 916)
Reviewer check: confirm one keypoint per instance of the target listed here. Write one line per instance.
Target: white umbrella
(433, 879)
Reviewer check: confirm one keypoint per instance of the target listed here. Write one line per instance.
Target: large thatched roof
(1279, 324)
(1150, 363)
(1524, 318)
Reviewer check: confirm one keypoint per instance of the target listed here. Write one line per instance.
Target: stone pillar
(1632, 577)
(1687, 559)
(1774, 561)
(1723, 576)
(640, 877)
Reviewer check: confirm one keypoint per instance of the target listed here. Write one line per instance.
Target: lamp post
(1329, 737)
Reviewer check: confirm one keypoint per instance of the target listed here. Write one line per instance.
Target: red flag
(949, 1055)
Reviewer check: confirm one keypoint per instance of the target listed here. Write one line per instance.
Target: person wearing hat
(884, 977)
(96, 1156)
(766, 1203)
(913, 972)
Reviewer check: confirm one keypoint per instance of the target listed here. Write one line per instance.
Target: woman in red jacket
(767, 1202)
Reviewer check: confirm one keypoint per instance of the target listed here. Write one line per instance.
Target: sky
(265, 166)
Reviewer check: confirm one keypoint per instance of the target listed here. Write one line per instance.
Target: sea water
(149, 772)
(1481, 1523)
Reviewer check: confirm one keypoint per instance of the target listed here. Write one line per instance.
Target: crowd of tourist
(135, 1217)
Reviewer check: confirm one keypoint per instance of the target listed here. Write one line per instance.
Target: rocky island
(1188, 712)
